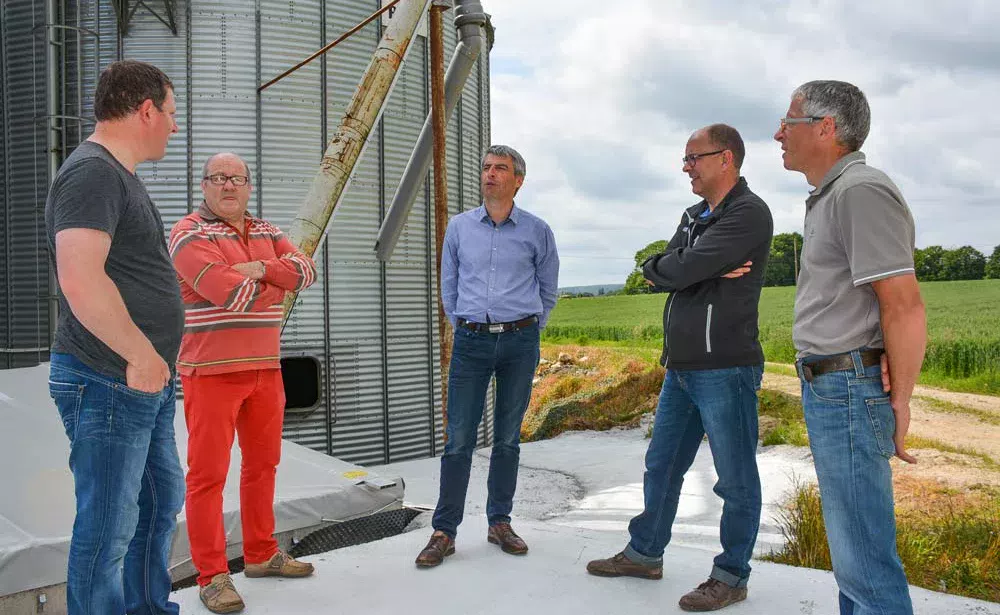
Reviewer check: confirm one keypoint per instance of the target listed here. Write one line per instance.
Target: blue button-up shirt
(500, 272)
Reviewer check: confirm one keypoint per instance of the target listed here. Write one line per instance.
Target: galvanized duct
(470, 20)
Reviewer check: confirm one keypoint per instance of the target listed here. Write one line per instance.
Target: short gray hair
(204, 167)
(505, 151)
(842, 101)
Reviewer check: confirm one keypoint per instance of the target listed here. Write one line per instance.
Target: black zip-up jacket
(710, 322)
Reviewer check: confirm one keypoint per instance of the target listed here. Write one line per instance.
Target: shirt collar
(738, 189)
(837, 170)
(207, 215)
(483, 215)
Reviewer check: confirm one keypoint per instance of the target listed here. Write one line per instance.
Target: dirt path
(969, 430)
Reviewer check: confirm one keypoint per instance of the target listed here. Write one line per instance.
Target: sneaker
(281, 564)
(220, 596)
(712, 595)
(621, 566)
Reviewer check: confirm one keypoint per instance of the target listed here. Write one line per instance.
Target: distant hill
(594, 289)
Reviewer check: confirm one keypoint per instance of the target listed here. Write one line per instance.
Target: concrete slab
(380, 577)
(576, 494)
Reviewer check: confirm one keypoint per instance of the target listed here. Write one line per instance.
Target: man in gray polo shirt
(857, 306)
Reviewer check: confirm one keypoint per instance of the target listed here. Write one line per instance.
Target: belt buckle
(496, 327)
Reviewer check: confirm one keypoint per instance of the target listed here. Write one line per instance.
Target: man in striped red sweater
(234, 270)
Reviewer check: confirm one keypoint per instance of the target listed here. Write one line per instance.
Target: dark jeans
(851, 427)
(723, 404)
(476, 356)
(129, 489)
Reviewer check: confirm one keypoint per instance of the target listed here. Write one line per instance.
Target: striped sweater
(232, 322)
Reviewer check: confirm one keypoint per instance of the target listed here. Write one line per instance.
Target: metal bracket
(125, 11)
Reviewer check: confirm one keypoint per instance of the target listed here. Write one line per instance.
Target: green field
(963, 321)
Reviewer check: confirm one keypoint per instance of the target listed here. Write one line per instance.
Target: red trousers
(252, 405)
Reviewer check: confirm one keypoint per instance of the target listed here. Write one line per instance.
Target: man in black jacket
(713, 268)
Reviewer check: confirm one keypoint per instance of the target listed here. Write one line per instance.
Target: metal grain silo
(361, 348)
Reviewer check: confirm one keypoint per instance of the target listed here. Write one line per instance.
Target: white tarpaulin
(36, 488)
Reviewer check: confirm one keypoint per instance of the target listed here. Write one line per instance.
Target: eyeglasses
(692, 159)
(801, 120)
(220, 179)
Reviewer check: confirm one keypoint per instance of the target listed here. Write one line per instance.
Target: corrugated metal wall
(24, 272)
(372, 327)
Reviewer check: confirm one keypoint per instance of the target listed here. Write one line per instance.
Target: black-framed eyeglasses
(692, 159)
(801, 120)
(220, 179)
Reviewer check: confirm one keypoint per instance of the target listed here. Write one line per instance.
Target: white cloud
(600, 97)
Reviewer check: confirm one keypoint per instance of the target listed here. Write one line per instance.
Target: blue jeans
(129, 489)
(851, 427)
(476, 356)
(723, 404)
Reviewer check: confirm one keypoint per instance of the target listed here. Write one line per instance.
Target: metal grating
(338, 536)
(355, 532)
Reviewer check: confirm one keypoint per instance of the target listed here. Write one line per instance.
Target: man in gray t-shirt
(120, 326)
(857, 308)
(94, 191)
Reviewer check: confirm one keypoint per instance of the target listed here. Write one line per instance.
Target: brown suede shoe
(621, 566)
(220, 596)
(712, 595)
(281, 564)
(502, 534)
(438, 548)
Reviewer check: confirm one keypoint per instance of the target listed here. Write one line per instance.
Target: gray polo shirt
(858, 229)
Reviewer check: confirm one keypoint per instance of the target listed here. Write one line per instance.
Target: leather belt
(838, 363)
(497, 327)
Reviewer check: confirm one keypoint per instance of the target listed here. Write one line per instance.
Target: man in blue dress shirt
(499, 274)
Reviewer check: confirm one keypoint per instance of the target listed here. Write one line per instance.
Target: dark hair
(727, 137)
(124, 85)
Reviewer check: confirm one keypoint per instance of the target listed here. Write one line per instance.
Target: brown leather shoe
(220, 596)
(712, 595)
(281, 564)
(621, 566)
(502, 534)
(438, 547)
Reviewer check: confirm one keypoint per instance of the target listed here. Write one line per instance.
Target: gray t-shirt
(858, 230)
(93, 190)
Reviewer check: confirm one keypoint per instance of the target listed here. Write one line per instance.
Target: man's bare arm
(96, 302)
(904, 328)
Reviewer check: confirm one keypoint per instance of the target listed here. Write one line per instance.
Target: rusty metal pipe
(440, 188)
(351, 137)
(471, 22)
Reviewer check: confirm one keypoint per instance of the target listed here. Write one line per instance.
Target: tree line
(933, 263)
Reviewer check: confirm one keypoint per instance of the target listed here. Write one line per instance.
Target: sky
(600, 98)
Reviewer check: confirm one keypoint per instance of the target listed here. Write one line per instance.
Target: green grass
(963, 323)
(781, 420)
(955, 549)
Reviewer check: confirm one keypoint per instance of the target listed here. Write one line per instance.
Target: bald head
(712, 160)
(226, 186)
(205, 169)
